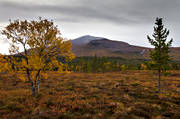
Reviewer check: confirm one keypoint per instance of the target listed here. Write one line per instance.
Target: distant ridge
(90, 46)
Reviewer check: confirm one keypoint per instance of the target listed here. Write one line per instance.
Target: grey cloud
(71, 13)
(138, 9)
(115, 11)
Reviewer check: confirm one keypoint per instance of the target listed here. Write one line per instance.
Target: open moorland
(123, 95)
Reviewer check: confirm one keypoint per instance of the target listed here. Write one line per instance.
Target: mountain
(91, 46)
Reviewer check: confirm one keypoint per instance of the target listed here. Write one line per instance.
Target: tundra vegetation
(122, 94)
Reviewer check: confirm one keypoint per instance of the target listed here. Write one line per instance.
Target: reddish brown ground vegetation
(123, 95)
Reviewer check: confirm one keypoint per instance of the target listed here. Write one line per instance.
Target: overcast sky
(124, 20)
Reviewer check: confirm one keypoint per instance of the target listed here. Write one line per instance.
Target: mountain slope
(91, 46)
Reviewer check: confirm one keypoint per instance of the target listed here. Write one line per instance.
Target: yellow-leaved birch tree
(37, 43)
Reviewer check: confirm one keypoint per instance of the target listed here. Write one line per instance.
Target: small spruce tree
(160, 55)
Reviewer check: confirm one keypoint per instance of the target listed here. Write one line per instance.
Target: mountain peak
(88, 36)
(85, 39)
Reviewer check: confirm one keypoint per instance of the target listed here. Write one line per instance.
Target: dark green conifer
(160, 55)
